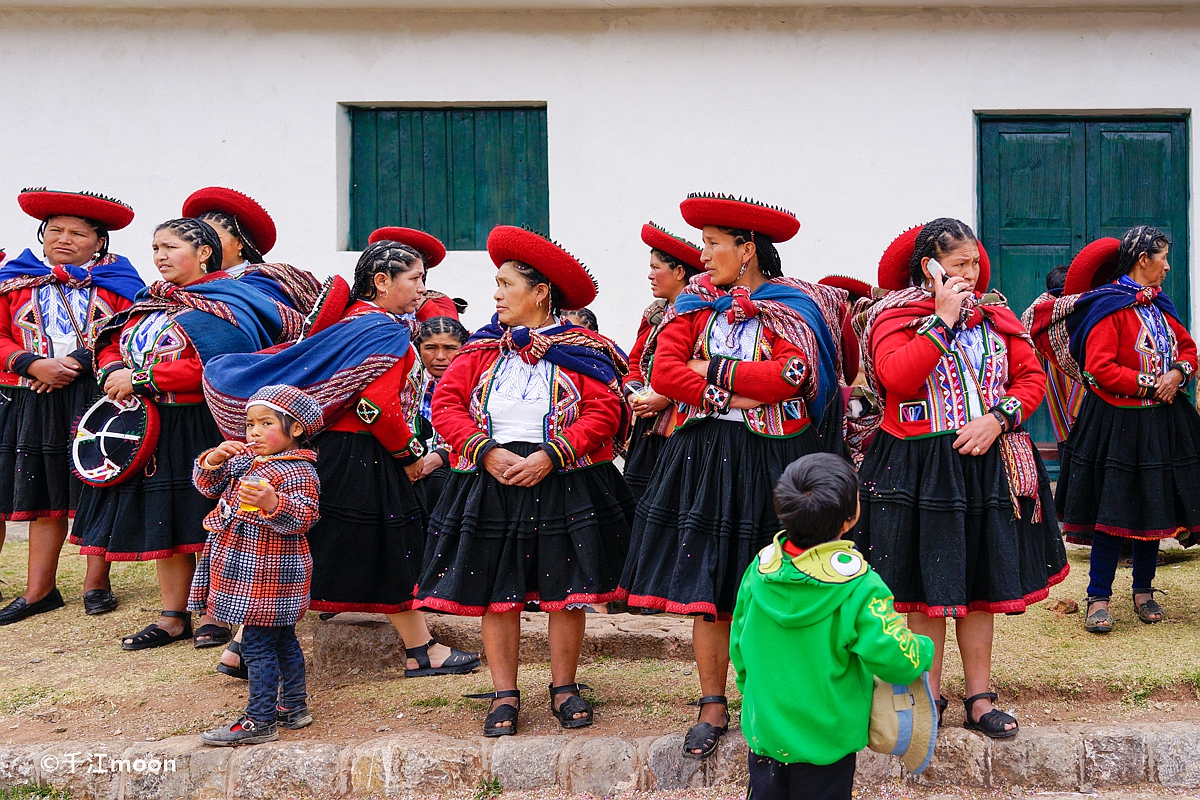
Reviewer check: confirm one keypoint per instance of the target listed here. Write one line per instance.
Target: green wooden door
(1049, 186)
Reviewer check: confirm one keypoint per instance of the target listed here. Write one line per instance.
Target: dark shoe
(992, 723)
(244, 731)
(704, 736)
(18, 609)
(1149, 612)
(99, 601)
(941, 704)
(154, 636)
(325, 616)
(211, 635)
(501, 713)
(240, 672)
(293, 718)
(457, 663)
(1100, 621)
(565, 713)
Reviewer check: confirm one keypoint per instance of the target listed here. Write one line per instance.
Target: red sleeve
(670, 375)
(1101, 361)
(635, 355)
(180, 375)
(10, 347)
(1026, 378)
(379, 406)
(782, 377)
(598, 421)
(1187, 345)
(451, 402)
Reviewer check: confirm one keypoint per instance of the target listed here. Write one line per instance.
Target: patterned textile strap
(1020, 467)
(165, 295)
(1056, 331)
(301, 287)
(56, 275)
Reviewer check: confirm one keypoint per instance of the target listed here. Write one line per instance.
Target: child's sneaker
(244, 731)
(293, 718)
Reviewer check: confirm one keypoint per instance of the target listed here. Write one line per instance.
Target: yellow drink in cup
(256, 482)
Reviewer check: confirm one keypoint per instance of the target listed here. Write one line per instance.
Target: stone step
(369, 641)
(1064, 759)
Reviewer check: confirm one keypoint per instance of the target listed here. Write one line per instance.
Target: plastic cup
(256, 482)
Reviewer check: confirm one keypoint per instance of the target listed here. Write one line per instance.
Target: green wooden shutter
(452, 172)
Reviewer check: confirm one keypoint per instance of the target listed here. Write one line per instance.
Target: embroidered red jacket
(584, 415)
(164, 361)
(1123, 364)
(777, 378)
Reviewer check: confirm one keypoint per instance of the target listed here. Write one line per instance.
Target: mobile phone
(936, 268)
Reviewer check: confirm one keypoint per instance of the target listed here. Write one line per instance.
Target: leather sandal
(992, 723)
(1100, 621)
(941, 704)
(1149, 612)
(240, 671)
(505, 712)
(211, 635)
(565, 713)
(457, 663)
(154, 636)
(704, 736)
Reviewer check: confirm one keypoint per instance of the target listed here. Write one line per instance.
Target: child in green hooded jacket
(813, 624)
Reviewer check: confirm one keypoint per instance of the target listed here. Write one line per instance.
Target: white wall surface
(861, 122)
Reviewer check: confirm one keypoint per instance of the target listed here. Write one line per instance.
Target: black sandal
(504, 712)
(213, 635)
(1148, 610)
(154, 636)
(457, 663)
(941, 704)
(240, 672)
(704, 736)
(992, 723)
(1101, 621)
(565, 713)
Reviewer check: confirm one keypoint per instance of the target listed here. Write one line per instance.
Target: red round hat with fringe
(854, 286)
(893, 266)
(726, 211)
(331, 303)
(1092, 266)
(252, 217)
(429, 246)
(42, 204)
(569, 276)
(660, 238)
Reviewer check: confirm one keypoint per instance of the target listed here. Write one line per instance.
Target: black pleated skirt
(710, 508)
(939, 529)
(429, 489)
(644, 449)
(1131, 472)
(498, 548)
(157, 513)
(367, 546)
(35, 450)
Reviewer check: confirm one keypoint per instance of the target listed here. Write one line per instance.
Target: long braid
(386, 257)
(197, 233)
(936, 239)
(769, 262)
(231, 224)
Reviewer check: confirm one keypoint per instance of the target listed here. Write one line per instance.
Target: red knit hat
(677, 247)
(1092, 266)
(253, 219)
(854, 286)
(428, 246)
(725, 211)
(42, 204)
(893, 265)
(564, 271)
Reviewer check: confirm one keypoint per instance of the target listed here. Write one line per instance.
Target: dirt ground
(64, 677)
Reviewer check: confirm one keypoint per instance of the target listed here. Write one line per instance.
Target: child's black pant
(773, 780)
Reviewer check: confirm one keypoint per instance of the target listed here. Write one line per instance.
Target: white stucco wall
(862, 122)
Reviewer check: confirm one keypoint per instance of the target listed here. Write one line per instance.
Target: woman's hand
(1167, 386)
(743, 403)
(497, 462)
(530, 470)
(977, 436)
(223, 452)
(949, 296)
(429, 463)
(413, 471)
(54, 373)
(650, 406)
(699, 366)
(119, 384)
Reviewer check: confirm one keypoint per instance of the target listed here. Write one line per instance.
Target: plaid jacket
(256, 568)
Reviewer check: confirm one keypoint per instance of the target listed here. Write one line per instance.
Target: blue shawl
(116, 275)
(567, 345)
(1091, 307)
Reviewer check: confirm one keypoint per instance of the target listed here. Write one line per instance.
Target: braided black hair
(197, 233)
(674, 263)
(443, 325)
(584, 317)
(99, 228)
(230, 223)
(384, 257)
(769, 262)
(936, 239)
(1144, 239)
(533, 277)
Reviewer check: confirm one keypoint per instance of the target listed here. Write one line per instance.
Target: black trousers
(773, 780)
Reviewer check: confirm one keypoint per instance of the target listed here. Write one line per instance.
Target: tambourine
(114, 439)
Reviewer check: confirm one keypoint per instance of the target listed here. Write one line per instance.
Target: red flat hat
(42, 204)
(571, 278)
(854, 286)
(253, 218)
(1092, 266)
(674, 246)
(428, 246)
(893, 266)
(776, 224)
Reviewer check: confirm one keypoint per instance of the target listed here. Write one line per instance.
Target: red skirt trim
(30, 516)
(151, 555)
(329, 607)
(458, 609)
(1124, 533)
(1003, 607)
(671, 607)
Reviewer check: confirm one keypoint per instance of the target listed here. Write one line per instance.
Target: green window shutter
(453, 172)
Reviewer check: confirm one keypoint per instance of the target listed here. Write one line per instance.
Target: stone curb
(430, 765)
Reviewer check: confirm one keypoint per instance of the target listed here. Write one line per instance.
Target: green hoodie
(809, 632)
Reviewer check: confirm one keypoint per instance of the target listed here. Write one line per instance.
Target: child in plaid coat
(256, 569)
